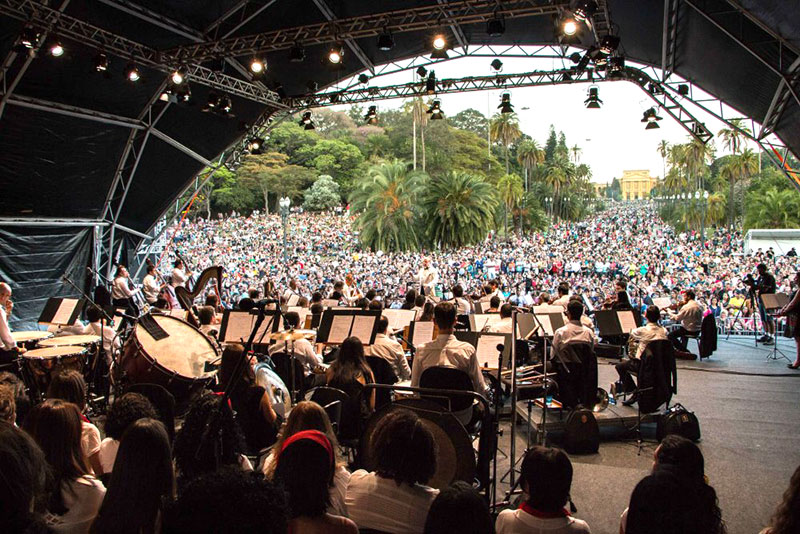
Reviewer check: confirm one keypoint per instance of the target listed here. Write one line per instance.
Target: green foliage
(470, 120)
(386, 203)
(273, 176)
(771, 202)
(550, 145)
(504, 129)
(340, 159)
(322, 195)
(458, 209)
(288, 137)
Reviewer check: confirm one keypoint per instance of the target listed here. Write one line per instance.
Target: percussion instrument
(268, 379)
(293, 335)
(633, 346)
(176, 362)
(66, 341)
(44, 363)
(30, 336)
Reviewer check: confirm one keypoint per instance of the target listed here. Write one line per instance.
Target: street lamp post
(284, 204)
(704, 196)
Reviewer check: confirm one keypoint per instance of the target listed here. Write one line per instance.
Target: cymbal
(291, 335)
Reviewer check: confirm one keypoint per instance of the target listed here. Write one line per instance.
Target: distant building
(636, 185)
(600, 189)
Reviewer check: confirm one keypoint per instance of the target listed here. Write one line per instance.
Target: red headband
(313, 435)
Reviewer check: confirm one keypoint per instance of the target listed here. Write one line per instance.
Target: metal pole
(284, 216)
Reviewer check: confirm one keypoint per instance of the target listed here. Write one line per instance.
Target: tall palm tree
(773, 209)
(698, 156)
(510, 190)
(386, 201)
(576, 150)
(744, 165)
(419, 117)
(459, 209)
(504, 128)
(663, 151)
(530, 156)
(734, 137)
(556, 178)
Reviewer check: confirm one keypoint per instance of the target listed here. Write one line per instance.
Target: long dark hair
(23, 479)
(306, 472)
(350, 362)
(230, 357)
(56, 427)
(140, 482)
(786, 519)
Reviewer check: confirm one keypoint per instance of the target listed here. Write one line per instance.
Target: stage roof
(58, 162)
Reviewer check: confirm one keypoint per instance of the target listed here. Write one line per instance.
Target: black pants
(8, 361)
(624, 369)
(679, 339)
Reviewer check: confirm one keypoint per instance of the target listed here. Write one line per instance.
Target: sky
(612, 139)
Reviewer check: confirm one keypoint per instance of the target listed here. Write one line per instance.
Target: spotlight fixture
(683, 89)
(335, 98)
(297, 54)
(651, 118)
(312, 86)
(56, 50)
(255, 145)
(178, 76)
(101, 62)
(569, 26)
(422, 72)
(218, 103)
(306, 122)
(575, 57)
(335, 54)
(132, 72)
(385, 41)
(363, 78)
(435, 111)
(495, 26)
(616, 65)
(439, 42)
(437, 53)
(609, 44)
(585, 9)
(430, 84)
(257, 65)
(372, 115)
(593, 101)
(496, 65)
(30, 37)
(505, 104)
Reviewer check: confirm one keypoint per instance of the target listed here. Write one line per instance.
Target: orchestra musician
(390, 350)
(351, 292)
(179, 274)
(303, 351)
(121, 290)
(690, 315)
(427, 277)
(503, 326)
(574, 331)
(792, 312)
(765, 285)
(644, 335)
(463, 306)
(150, 285)
(8, 347)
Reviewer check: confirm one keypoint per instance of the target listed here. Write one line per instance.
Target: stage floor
(749, 412)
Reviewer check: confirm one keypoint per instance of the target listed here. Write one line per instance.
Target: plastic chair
(449, 378)
(281, 364)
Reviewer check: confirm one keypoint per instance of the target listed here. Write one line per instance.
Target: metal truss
(72, 111)
(458, 33)
(669, 38)
(325, 9)
(99, 39)
(423, 18)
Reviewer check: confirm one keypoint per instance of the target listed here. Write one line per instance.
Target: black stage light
(257, 65)
(439, 42)
(435, 111)
(255, 145)
(575, 57)
(495, 26)
(178, 76)
(505, 104)
(569, 26)
(616, 65)
(30, 37)
(56, 50)
(312, 86)
(439, 53)
(297, 53)
(683, 89)
(225, 105)
(585, 9)
(363, 78)
(651, 118)
(335, 54)
(101, 62)
(372, 115)
(306, 122)
(496, 65)
(132, 72)
(430, 84)
(609, 44)
(385, 41)
(593, 101)
(422, 72)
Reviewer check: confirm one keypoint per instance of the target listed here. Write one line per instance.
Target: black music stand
(337, 325)
(771, 303)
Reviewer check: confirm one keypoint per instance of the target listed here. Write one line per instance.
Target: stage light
(575, 57)
(363, 78)
(439, 54)
(335, 54)
(132, 72)
(496, 65)
(651, 118)
(435, 111)
(439, 42)
(56, 50)
(372, 115)
(178, 76)
(101, 62)
(495, 26)
(585, 10)
(609, 44)
(505, 104)
(297, 54)
(616, 65)
(430, 84)
(422, 72)
(335, 98)
(569, 26)
(30, 37)
(385, 41)
(257, 66)
(225, 104)
(312, 86)
(683, 89)
(593, 101)
(254, 145)
(306, 122)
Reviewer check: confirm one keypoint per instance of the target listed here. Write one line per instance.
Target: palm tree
(459, 209)
(419, 116)
(385, 201)
(698, 156)
(510, 190)
(530, 156)
(556, 178)
(715, 208)
(663, 150)
(773, 209)
(504, 127)
(744, 165)
(576, 150)
(733, 137)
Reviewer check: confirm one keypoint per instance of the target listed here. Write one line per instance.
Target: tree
(331, 124)
(386, 202)
(663, 151)
(459, 209)
(742, 166)
(322, 195)
(733, 137)
(288, 137)
(270, 174)
(697, 157)
(576, 151)
(334, 157)
(504, 128)
(530, 156)
(510, 189)
(550, 145)
(470, 120)
(419, 116)
(773, 208)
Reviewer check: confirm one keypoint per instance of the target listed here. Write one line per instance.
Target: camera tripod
(751, 297)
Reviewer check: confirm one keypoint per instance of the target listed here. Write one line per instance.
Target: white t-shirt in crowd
(90, 439)
(82, 497)
(521, 522)
(108, 453)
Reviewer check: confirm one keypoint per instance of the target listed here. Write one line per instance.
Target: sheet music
(237, 328)
(363, 325)
(627, 321)
(423, 333)
(301, 312)
(479, 321)
(64, 311)
(545, 320)
(546, 308)
(662, 302)
(486, 351)
(330, 303)
(340, 328)
(292, 300)
(399, 319)
(263, 332)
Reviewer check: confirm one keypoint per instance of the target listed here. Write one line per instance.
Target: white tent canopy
(781, 241)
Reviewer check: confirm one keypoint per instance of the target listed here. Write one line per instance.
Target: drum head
(61, 341)
(30, 335)
(53, 352)
(184, 351)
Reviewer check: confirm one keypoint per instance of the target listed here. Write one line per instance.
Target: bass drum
(268, 379)
(176, 362)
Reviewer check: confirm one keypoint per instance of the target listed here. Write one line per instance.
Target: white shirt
(82, 497)
(150, 288)
(428, 277)
(573, 332)
(562, 301)
(503, 326)
(521, 522)
(463, 306)
(90, 439)
(303, 351)
(6, 340)
(120, 289)
(110, 339)
(447, 351)
(690, 316)
(391, 351)
(179, 277)
(107, 454)
(379, 503)
(645, 334)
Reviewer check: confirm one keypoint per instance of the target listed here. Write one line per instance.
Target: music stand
(771, 303)
(337, 325)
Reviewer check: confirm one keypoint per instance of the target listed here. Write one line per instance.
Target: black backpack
(581, 433)
(678, 420)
